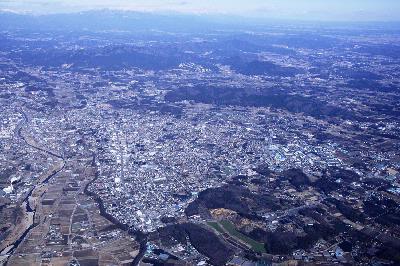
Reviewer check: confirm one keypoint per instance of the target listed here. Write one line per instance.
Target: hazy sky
(286, 9)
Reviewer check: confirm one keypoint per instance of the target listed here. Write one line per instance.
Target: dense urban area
(230, 145)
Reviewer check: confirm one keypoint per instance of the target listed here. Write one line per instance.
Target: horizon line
(194, 13)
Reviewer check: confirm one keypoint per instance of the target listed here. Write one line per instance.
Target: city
(256, 147)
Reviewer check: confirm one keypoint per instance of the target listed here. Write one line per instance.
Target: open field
(225, 226)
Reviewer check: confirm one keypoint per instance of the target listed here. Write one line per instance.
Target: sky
(342, 10)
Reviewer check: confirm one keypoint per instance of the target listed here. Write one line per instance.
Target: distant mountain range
(109, 20)
(104, 20)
